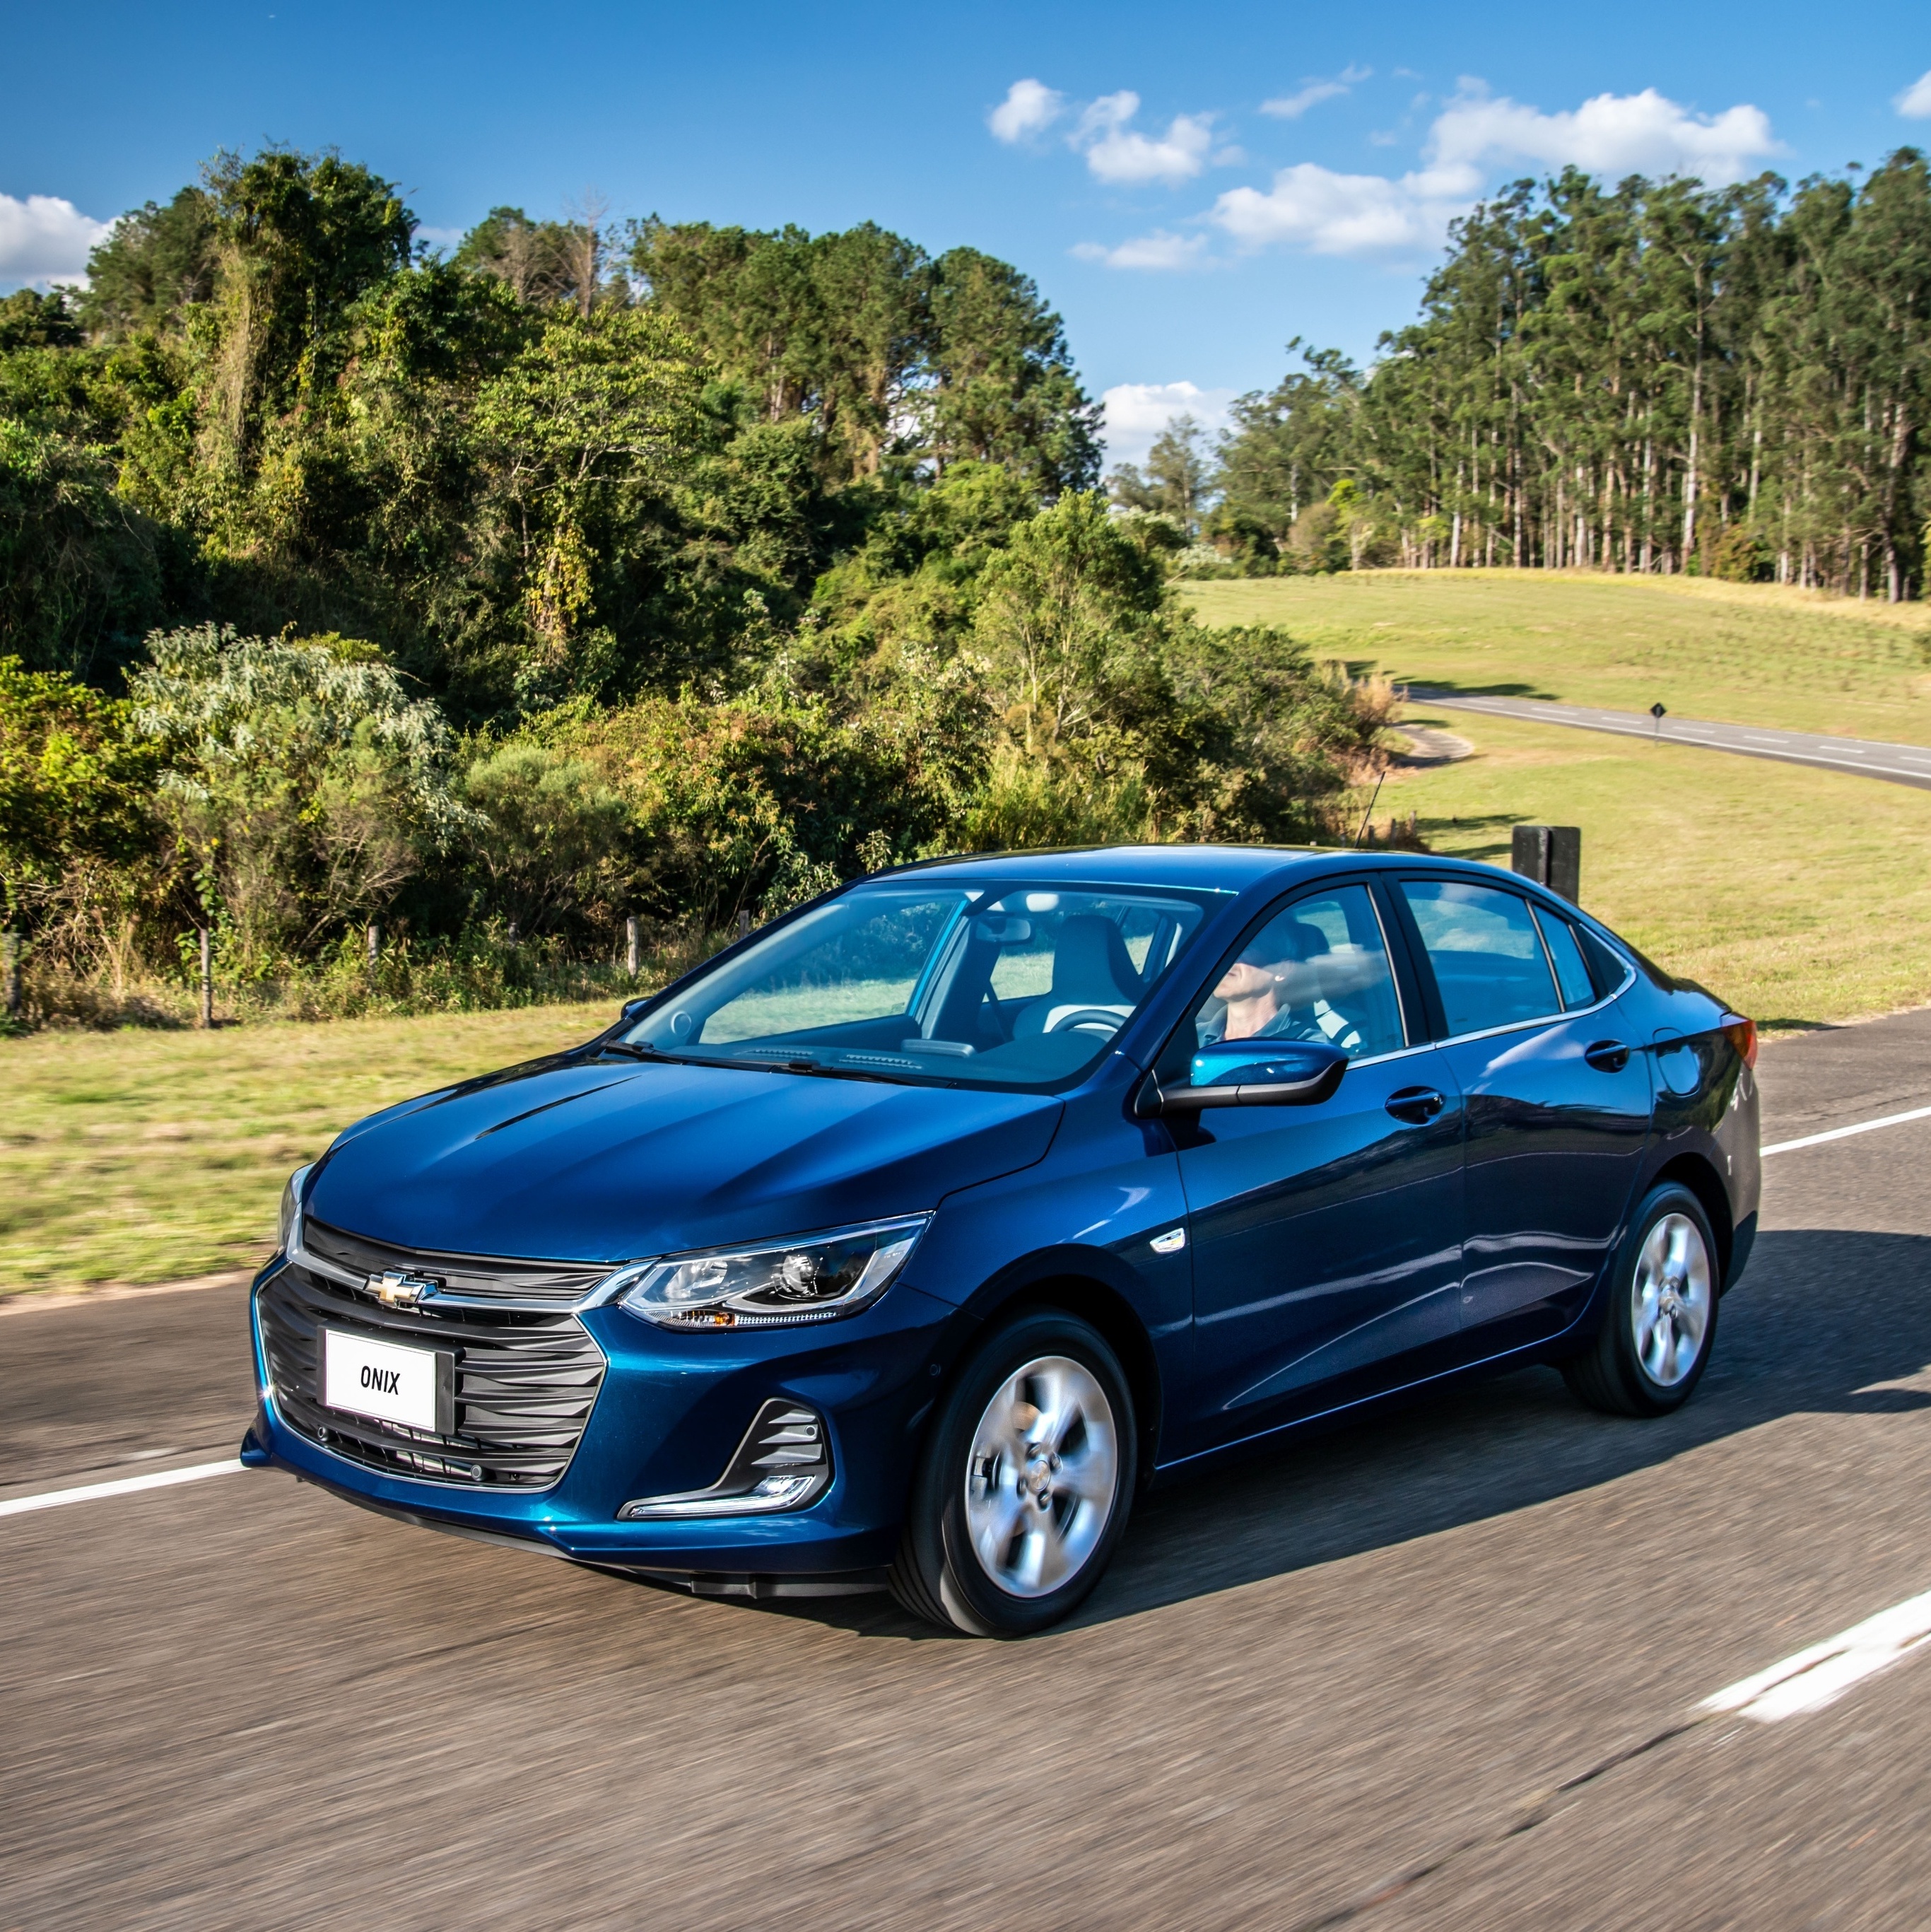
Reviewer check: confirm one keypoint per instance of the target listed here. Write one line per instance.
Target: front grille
(487, 1277)
(526, 1379)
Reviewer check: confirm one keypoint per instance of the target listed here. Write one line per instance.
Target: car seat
(1091, 968)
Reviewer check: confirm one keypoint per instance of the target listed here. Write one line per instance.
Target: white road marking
(1845, 1133)
(1821, 1675)
(124, 1486)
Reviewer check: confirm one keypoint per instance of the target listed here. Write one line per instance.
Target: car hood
(607, 1161)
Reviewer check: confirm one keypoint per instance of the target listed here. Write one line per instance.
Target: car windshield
(954, 984)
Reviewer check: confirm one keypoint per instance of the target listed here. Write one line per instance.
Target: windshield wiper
(632, 1050)
(813, 1066)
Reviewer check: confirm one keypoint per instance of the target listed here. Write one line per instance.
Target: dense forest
(1654, 377)
(591, 573)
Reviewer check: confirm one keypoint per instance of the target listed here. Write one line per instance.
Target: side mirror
(1244, 1073)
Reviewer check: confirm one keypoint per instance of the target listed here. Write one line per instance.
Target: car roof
(1210, 868)
(1231, 868)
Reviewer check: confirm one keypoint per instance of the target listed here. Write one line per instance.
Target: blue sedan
(906, 1242)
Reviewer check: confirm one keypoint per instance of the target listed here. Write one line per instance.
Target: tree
(1178, 479)
(891, 356)
(74, 785)
(592, 406)
(1004, 389)
(298, 239)
(155, 262)
(1288, 448)
(542, 262)
(302, 785)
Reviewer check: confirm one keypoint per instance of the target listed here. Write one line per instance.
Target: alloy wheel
(1043, 1478)
(1672, 1297)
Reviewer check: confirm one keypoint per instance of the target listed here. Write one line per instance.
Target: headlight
(291, 1207)
(814, 1278)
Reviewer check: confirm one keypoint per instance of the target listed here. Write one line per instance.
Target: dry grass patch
(141, 1156)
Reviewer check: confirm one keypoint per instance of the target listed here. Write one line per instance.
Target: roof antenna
(1370, 813)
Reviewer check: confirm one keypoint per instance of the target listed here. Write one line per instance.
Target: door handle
(1607, 1056)
(1417, 1105)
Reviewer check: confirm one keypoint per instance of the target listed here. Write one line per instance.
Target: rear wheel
(1661, 1321)
(1023, 1489)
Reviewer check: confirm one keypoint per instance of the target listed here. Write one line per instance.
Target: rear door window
(1486, 954)
(1565, 953)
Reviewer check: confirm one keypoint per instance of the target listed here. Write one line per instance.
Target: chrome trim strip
(299, 1254)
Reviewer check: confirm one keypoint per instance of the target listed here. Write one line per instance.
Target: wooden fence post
(1552, 855)
(207, 979)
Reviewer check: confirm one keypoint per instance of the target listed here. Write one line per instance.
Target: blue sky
(1190, 189)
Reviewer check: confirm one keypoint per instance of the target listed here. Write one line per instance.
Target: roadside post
(1659, 711)
(633, 945)
(207, 979)
(9, 970)
(372, 940)
(1552, 855)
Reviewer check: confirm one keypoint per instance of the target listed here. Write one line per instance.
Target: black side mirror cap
(1300, 1075)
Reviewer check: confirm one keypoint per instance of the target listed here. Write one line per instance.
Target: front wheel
(1661, 1322)
(1023, 1489)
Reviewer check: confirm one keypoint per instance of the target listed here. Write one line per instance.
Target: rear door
(1556, 1093)
(1327, 1238)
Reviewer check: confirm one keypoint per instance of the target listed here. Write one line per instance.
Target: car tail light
(1742, 1034)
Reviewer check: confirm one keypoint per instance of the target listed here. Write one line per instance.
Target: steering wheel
(1087, 1019)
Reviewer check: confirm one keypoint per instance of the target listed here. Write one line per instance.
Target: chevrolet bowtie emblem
(395, 1289)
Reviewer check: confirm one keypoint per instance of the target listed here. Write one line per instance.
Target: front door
(1327, 1238)
(1556, 1091)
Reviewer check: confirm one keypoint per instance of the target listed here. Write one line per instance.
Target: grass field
(147, 1156)
(1748, 653)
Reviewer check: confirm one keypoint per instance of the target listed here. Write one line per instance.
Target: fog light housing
(783, 1462)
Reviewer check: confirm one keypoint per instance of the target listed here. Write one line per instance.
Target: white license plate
(381, 1379)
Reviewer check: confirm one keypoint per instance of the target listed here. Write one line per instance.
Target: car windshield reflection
(952, 984)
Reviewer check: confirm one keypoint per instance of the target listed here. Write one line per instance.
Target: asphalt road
(1899, 764)
(1439, 1671)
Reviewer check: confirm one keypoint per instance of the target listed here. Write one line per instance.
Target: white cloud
(1914, 102)
(1116, 152)
(1327, 213)
(1137, 413)
(1159, 250)
(44, 239)
(1030, 108)
(1314, 207)
(1292, 106)
(1612, 135)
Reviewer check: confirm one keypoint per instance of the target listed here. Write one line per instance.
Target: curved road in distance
(1899, 764)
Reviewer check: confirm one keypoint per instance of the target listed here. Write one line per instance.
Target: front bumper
(670, 1410)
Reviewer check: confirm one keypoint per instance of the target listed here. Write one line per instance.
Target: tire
(999, 1542)
(1660, 1323)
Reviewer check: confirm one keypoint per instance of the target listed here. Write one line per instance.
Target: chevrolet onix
(905, 1242)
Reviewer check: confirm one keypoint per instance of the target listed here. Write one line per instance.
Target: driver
(1262, 990)
(1254, 988)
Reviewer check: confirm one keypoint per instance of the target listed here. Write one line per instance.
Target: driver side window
(1317, 971)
